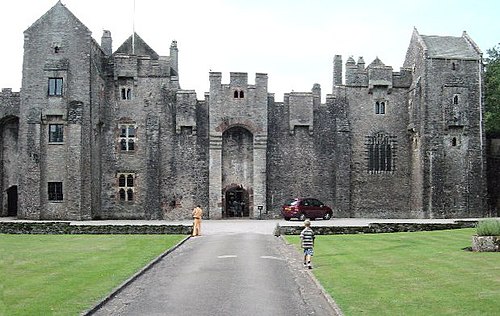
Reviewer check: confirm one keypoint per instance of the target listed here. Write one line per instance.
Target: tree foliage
(492, 91)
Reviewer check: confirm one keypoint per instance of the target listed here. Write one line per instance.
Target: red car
(303, 208)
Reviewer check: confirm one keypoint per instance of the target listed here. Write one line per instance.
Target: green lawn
(67, 274)
(419, 273)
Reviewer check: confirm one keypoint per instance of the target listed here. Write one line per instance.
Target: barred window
(126, 186)
(55, 191)
(380, 151)
(127, 137)
(56, 133)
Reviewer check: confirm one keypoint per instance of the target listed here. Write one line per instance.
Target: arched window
(242, 94)
(130, 180)
(380, 153)
(122, 195)
(380, 107)
(455, 99)
(236, 94)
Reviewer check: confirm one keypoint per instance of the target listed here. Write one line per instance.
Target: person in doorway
(307, 238)
(197, 214)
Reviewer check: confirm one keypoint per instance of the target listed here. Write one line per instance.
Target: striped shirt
(307, 236)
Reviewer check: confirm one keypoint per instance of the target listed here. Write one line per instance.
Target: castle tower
(55, 124)
(238, 146)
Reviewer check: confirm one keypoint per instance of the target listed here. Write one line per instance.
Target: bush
(488, 227)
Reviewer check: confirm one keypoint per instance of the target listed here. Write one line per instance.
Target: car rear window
(291, 202)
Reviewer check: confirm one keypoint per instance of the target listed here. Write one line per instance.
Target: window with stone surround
(127, 137)
(380, 149)
(380, 107)
(55, 191)
(56, 133)
(126, 93)
(239, 94)
(55, 87)
(126, 186)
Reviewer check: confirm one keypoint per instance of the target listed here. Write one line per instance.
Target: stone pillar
(215, 176)
(259, 175)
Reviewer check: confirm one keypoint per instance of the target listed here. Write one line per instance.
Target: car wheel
(302, 217)
(327, 216)
(287, 218)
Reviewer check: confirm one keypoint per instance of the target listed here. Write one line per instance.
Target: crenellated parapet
(376, 74)
(9, 103)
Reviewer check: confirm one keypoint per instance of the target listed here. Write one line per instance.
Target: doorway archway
(12, 201)
(236, 202)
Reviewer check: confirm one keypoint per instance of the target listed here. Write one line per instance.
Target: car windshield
(291, 202)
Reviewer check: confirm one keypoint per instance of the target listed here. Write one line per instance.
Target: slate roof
(141, 48)
(449, 47)
(58, 9)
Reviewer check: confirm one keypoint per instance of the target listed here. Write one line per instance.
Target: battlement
(375, 74)
(133, 66)
(7, 92)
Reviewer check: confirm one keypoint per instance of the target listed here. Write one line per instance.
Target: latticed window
(56, 133)
(126, 186)
(55, 191)
(127, 137)
(380, 150)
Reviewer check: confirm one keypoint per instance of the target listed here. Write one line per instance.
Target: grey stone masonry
(103, 134)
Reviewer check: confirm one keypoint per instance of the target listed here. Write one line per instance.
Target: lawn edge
(313, 278)
(123, 285)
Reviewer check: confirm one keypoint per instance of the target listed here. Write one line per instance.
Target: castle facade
(97, 134)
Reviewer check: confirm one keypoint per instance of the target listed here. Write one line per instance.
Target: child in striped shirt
(307, 237)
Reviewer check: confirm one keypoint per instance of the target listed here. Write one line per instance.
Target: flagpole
(133, 31)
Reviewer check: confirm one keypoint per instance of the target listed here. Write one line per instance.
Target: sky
(293, 41)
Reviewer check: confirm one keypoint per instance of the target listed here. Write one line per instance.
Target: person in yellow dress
(197, 214)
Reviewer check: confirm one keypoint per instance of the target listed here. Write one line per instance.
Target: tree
(492, 91)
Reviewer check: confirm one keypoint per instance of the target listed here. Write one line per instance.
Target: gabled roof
(450, 47)
(140, 47)
(376, 63)
(58, 9)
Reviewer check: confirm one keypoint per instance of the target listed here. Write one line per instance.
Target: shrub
(488, 227)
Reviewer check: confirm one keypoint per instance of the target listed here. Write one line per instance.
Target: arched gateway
(238, 145)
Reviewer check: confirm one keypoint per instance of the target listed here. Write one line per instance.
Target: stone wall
(375, 228)
(68, 228)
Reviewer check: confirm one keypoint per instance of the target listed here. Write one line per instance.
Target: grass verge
(67, 274)
(419, 273)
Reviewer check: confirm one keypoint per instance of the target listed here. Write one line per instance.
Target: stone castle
(97, 134)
